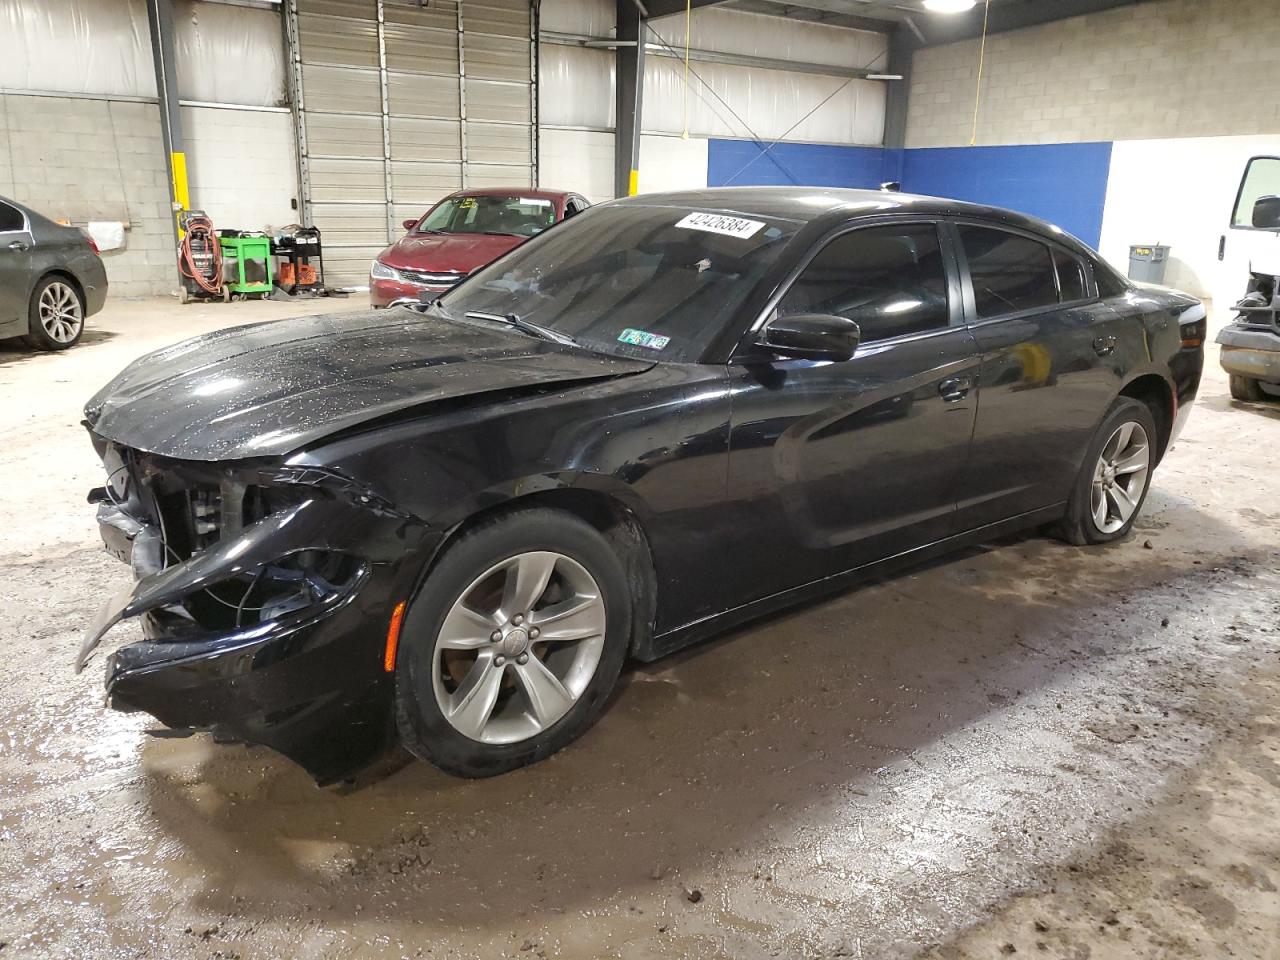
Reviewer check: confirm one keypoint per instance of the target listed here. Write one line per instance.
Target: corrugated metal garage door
(401, 102)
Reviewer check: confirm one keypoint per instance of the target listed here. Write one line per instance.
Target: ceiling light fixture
(884, 76)
(949, 6)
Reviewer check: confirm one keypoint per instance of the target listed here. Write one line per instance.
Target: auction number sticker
(640, 338)
(721, 224)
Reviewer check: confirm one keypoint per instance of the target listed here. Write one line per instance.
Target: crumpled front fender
(317, 523)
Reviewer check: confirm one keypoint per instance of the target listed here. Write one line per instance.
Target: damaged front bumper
(264, 595)
(1251, 343)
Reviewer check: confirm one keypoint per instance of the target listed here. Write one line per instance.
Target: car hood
(448, 252)
(271, 388)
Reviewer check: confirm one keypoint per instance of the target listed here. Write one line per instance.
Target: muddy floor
(1026, 749)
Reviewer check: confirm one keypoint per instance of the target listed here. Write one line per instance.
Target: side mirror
(1266, 213)
(410, 224)
(811, 336)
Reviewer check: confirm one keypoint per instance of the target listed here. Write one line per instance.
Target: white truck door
(1244, 247)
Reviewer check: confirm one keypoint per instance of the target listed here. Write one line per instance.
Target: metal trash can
(1147, 263)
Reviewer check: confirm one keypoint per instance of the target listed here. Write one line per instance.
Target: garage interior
(1025, 749)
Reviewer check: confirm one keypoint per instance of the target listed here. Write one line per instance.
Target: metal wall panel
(480, 175)
(500, 102)
(339, 90)
(422, 184)
(356, 9)
(338, 41)
(438, 14)
(401, 103)
(412, 95)
(496, 58)
(347, 181)
(344, 135)
(413, 139)
(498, 143)
(414, 49)
(503, 18)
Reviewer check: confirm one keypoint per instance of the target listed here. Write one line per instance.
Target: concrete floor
(1025, 749)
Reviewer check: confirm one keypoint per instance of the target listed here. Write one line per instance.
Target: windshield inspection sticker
(638, 338)
(719, 223)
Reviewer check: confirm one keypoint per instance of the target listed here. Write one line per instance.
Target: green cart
(246, 265)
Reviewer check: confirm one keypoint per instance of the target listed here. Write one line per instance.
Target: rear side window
(10, 218)
(1010, 272)
(890, 280)
(1072, 283)
(1109, 284)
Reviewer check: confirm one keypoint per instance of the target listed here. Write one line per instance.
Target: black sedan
(452, 525)
(51, 278)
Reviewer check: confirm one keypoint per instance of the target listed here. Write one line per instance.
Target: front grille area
(1261, 305)
(190, 508)
(447, 279)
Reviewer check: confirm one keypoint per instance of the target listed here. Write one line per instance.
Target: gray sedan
(51, 278)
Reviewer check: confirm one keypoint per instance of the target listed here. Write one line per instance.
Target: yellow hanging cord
(982, 56)
(688, 13)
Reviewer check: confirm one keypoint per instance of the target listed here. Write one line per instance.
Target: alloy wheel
(1120, 477)
(518, 647)
(60, 312)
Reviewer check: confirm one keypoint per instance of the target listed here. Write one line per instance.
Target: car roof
(804, 204)
(535, 192)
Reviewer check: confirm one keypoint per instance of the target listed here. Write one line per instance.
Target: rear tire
(1247, 389)
(55, 316)
(535, 696)
(1114, 478)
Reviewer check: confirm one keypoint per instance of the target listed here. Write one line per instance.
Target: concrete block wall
(241, 166)
(1169, 68)
(81, 159)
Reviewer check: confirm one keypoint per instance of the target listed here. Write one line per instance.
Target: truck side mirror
(1266, 213)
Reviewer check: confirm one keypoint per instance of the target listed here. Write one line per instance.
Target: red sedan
(462, 233)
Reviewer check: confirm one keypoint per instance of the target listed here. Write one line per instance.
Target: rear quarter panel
(60, 249)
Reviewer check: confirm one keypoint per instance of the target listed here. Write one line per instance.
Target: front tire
(1246, 388)
(512, 645)
(55, 316)
(1114, 478)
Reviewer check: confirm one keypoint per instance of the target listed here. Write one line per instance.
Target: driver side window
(890, 280)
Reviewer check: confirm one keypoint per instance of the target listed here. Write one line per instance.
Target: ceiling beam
(1010, 15)
(793, 11)
(652, 9)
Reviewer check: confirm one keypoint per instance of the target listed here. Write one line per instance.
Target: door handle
(955, 389)
(18, 246)
(1104, 346)
(1222, 246)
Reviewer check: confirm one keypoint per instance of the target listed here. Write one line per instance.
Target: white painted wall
(1180, 192)
(241, 166)
(670, 163)
(580, 160)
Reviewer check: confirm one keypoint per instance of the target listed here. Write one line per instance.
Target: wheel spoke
(547, 697)
(578, 618)
(1134, 459)
(1123, 436)
(466, 629)
(1099, 506)
(1121, 502)
(526, 580)
(473, 702)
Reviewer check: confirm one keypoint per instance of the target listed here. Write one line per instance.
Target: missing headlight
(273, 590)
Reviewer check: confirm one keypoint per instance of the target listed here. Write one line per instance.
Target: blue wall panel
(745, 162)
(1065, 183)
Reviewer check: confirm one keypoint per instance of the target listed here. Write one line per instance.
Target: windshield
(515, 215)
(652, 282)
